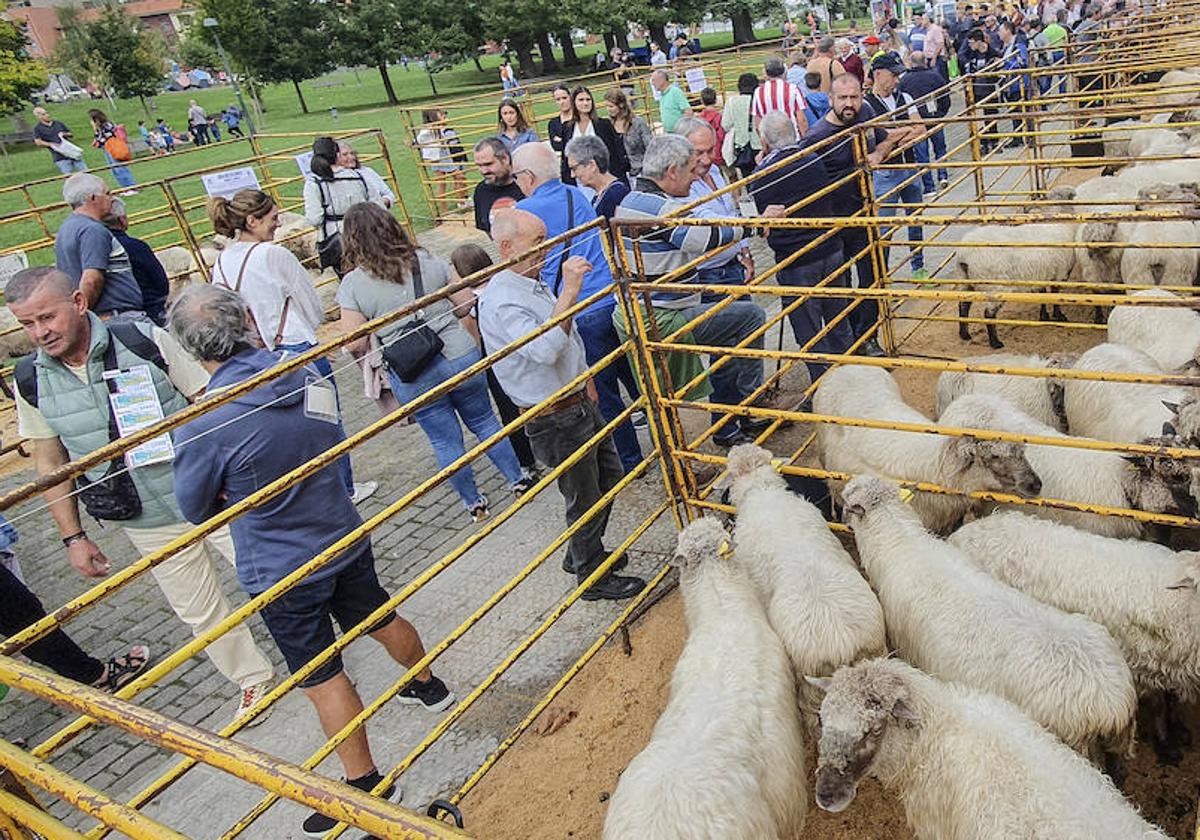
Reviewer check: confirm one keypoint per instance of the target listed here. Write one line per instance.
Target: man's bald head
(516, 232)
(45, 278)
(534, 164)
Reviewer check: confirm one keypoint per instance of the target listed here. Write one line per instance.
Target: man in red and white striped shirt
(778, 94)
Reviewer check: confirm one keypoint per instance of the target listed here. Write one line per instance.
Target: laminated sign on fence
(225, 184)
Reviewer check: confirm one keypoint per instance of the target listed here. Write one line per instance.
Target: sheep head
(862, 703)
(703, 541)
(1168, 196)
(998, 465)
(866, 493)
(749, 466)
(1186, 421)
(1162, 484)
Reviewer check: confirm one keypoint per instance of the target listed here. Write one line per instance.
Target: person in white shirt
(278, 290)
(328, 194)
(348, 159)
(657, 56)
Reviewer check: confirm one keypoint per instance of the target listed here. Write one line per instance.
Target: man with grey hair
(87, 252)
(64, 390)
(497, 190)
(563, 207)
(50, 134)
(668, 170)
(733, 266)
(229, 453)
(149, 273)
(825, 64)
(672, 101)
(777, 94)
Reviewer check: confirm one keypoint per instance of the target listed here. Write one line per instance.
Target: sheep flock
(994, 652)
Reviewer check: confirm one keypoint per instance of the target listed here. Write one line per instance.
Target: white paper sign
(304, 162)
(10, 264)
(225, 184)
(135, 406)
(695, 79)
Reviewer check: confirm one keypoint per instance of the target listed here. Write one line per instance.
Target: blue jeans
(810, 317)
(731, 273)
(439, 420)
(324, 368)
(938, 139)
(66, 166)
(739, 377)
(885, 181)
(599, 339)
(121, 173)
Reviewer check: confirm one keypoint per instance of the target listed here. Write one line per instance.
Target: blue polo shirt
(82, 243)
(549, 203)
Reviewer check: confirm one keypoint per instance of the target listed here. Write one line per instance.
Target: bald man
(515, 303)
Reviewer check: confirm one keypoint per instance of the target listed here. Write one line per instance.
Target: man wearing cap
(893, 186)
(874, 47)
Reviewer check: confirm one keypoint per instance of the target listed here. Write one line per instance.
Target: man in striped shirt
(668, 170)
(777, 94)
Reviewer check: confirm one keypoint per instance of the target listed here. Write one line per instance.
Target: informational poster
(695, 79)
(135, 406)
(225, 184)
(304, 162)
(10, 264)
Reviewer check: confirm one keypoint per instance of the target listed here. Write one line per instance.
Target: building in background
(40, 19)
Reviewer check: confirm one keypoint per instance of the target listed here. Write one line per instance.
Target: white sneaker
(250, 696)
(363, 490)
(129, 192)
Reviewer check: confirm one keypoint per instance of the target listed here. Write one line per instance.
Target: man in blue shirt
(149, 273)
(86, 251)
(561, 208)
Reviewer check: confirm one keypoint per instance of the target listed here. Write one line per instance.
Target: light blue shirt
(795, 75)
(511, 307)
(721, 207)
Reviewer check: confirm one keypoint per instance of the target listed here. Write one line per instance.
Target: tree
(113, 51)
(742, 13)
(19, 74)
(195, 50)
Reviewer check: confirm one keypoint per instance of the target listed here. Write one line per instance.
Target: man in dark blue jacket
(151, 277)
(919, 81)
(225, 455)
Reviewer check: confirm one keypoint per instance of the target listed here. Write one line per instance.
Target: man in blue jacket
(225, 455)
(920, 81)
(149, 273)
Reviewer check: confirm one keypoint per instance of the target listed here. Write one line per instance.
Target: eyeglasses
(573, 167)
(517, 173)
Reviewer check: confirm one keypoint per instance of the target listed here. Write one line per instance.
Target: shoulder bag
(329, 249)
(743, 156)
(567, 248)
(418, 343)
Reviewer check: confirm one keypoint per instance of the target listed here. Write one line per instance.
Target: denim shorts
(300, 620)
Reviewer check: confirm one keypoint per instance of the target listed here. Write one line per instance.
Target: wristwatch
(74, 538)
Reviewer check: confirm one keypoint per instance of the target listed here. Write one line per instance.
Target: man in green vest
(64, 407)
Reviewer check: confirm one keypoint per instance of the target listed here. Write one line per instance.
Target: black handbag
(744, 156)
(418, 343)
(329, 249)
(114, 496)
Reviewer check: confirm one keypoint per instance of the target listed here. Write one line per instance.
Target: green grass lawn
(360, 102)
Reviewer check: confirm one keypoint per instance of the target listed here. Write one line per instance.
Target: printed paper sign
(225, 184)
(695, 79)
(135, 406)
(304, 162)
(10, 264)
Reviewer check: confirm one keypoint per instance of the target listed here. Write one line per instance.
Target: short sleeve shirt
(185, 373)
(673, 105)
(51, 134)
(82, 243)
(365, 293)
(839, 160)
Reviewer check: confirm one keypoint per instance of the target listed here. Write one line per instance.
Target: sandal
(119, 671)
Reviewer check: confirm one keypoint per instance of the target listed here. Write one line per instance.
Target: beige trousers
(193, 590)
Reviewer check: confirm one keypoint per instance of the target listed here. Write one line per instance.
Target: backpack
(126, 332)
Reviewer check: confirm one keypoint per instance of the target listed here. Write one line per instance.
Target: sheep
(1039, 397)
(1030, 264)
(953, 620)
(1108, 479)
(726, 758)
(13, 340)
(959, 463)
(1122, 412)
(1168, 334)
(1098, 265)
(1143, 594)
(1187, 83)
(1157, 142)
(967, 765)
(298, 236)
(819, 605)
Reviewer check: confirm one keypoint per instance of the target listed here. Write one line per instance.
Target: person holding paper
(55, 136)
(66, 406)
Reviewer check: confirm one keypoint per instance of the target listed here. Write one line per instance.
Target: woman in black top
(554, 128)
(585, 123)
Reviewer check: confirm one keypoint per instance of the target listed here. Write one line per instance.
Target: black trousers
(855, 239)
(557, 436)
(18, 609)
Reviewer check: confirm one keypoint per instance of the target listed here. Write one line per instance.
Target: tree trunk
(432, 85)
(610, 41)
(300, 95)
(387, 84)
(525, 60)
(743, 27)
(622, 36)
(549, 63)
(478, 66)
(658, 34)
(569, 57)
(145, 106)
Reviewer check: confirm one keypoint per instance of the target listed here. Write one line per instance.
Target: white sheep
(1168, 334)
(1123, 412)
(1160, 266)
(967, 765)
(726, 758)
(951, 619)
(1159, 142)
(299, 237)
(1144, 595)
(959, 463)
(1039, 397)
(816, 600)
(13, 340)
(1034, 267)
(1108, 196)
(1186, 84)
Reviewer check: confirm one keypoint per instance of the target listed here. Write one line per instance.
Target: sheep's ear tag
(905, 494)
(777, 463)
(725, 550)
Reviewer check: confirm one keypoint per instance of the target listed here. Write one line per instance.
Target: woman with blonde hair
(278, 290)
(422, 351)
(633, 130)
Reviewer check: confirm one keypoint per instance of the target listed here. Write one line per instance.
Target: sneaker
(871, 347)
(639, 421)
(921, 276)
(432, 694)
(944, 184)
(479, 510)
(250, 696)
(613, 588)
(523, 485)
(318, 825)
(128, 192)
(363, 490)
(729, 440)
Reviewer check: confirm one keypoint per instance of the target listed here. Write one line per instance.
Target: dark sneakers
(318, 825)
(432, 694)
(613, 588)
